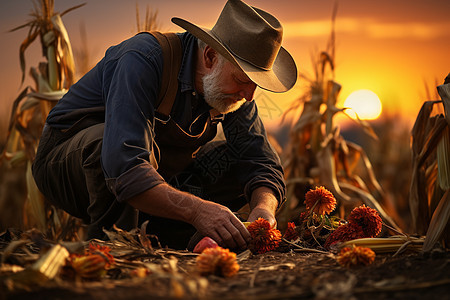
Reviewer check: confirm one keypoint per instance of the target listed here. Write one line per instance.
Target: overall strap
(172, 55)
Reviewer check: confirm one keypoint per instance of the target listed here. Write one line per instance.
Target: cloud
(368, 27)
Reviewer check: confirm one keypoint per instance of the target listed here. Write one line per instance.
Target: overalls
(67, 169)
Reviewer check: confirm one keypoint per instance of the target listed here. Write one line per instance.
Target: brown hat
(250, 38)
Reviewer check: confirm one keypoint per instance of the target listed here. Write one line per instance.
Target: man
(106, 153)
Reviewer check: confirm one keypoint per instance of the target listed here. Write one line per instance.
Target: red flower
(368, 219)
(344, 233)
(264, 237)
(321, 201)
(217, 261)
(354, 256)
(290, 234)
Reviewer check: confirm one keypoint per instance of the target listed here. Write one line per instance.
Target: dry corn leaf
(443, 160)
(444, 92)
(12, 246)
(328, 173)
(36, 200)
(143, 238)
(65, 55)
(370, 201)
(439, 222)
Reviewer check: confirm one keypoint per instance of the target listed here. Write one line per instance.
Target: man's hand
(263, 205)
(220, 224)
(209, 218)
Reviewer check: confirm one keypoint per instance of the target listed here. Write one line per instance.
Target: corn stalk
(52, 78)
(150, 21)
(317, 154)
(429, 191)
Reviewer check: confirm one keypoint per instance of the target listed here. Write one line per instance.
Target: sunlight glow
(364, 103)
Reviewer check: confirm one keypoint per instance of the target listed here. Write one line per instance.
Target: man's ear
(209, 57)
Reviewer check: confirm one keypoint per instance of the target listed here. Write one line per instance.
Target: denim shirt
(124, 87)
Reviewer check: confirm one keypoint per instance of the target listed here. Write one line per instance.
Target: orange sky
(390, 47)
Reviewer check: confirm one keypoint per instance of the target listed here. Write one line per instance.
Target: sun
(364, 103)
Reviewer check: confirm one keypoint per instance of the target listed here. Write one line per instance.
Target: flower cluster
(355, 256)
(217, 261)
(264, 237)
(320, 201)
(363, 222)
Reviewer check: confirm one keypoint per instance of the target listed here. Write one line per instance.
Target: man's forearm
(210, 219)
(263, 204)
(167, 202)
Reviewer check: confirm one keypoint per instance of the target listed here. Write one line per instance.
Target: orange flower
(354, 256)
(264, 237)
(344, 233)
(92, 265)
(95, 249)
(290, 234)
(321, 201)
(368, 219)
(89, 266)
(217, 261)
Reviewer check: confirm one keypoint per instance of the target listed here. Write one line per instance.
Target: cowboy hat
(250, 38)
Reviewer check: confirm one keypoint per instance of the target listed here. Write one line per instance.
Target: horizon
(397, 50)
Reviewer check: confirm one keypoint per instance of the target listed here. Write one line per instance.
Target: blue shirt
(123, 88)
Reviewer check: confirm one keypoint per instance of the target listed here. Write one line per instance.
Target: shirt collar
(186, 75)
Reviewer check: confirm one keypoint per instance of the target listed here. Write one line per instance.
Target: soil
(272, 275)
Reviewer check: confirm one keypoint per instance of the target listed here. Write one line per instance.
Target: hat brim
(280, 78)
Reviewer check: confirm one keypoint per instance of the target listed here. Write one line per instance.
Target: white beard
(223, 103)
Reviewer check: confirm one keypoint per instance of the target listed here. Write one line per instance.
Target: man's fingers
(227, 237)
(238, 239)
(243, 231)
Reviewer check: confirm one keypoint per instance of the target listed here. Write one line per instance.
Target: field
(402, 174)
(286, 274)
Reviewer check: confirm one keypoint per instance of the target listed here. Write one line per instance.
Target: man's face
(226, 88)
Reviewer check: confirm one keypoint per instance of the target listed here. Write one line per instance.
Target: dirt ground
(273, 275)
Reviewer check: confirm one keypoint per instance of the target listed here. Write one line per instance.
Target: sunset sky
(391, 47)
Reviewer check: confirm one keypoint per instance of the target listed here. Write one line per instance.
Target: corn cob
(386, 245)
(50, 263)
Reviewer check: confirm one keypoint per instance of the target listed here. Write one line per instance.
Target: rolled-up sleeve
(131, 85)
(248, 141)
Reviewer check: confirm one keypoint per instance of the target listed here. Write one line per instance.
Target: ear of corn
(386, 245)
(51, 262)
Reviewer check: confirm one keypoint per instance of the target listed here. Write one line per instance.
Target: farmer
(109, 156)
